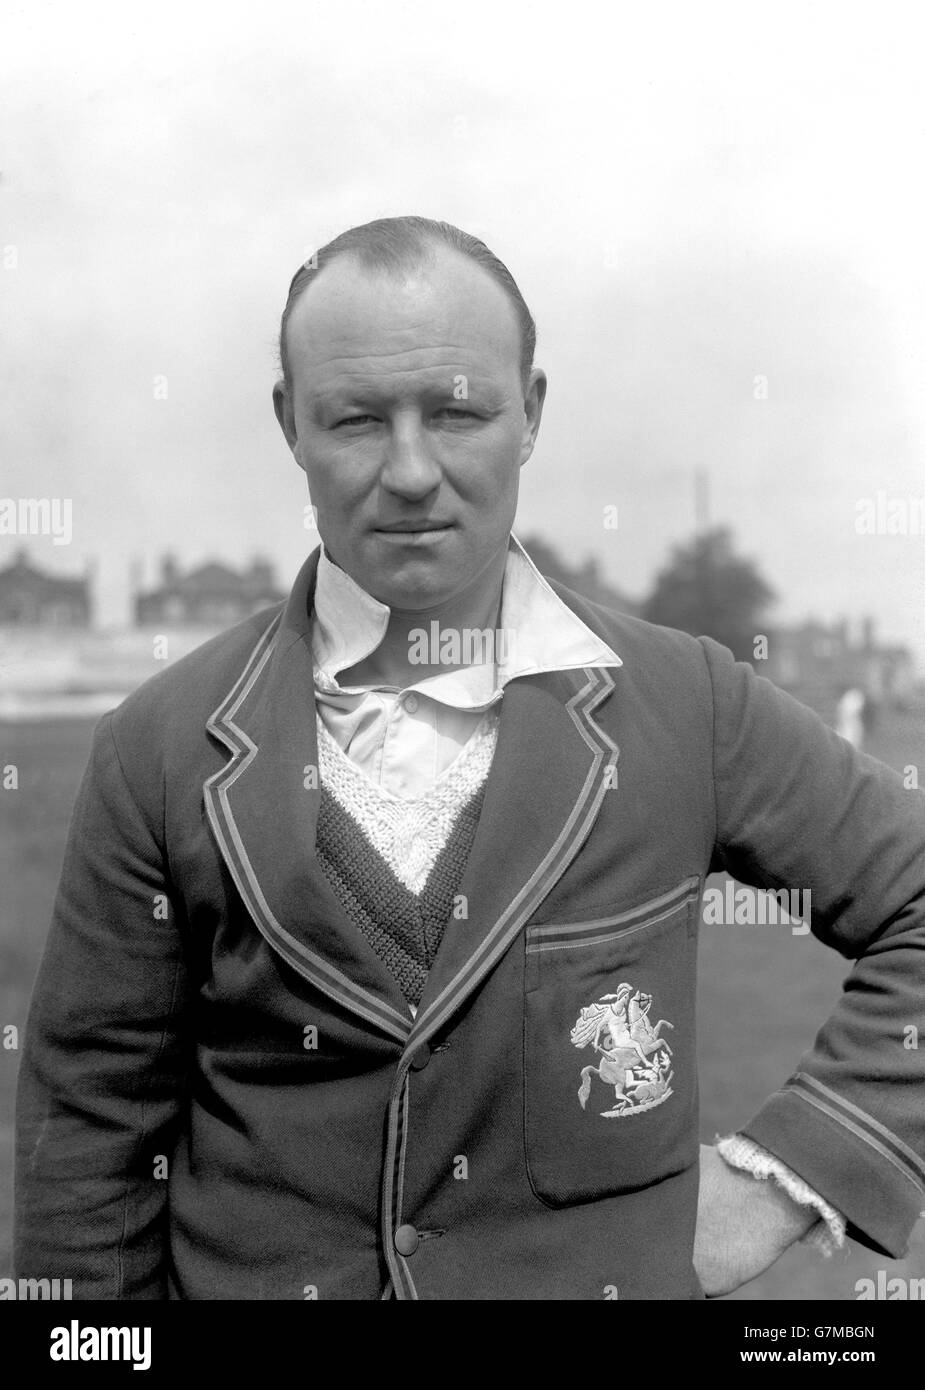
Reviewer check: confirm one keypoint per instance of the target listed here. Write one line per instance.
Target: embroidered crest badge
(634, 1059)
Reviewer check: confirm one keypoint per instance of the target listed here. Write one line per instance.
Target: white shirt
(403, 740)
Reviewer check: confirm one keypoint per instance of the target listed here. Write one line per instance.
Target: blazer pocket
(610, 1058)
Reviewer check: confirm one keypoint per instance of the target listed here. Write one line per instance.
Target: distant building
(213, 595)
(31, 597)
(819, 663)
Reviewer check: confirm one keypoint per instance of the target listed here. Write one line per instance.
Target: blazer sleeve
(100, 1095)
(797, 807)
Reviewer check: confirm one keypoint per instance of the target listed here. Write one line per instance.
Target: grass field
(763, 991)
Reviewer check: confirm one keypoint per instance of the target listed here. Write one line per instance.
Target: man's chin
(413, 598)
(413, 576)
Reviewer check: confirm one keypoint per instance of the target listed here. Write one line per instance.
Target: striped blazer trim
(557, 936)
(393, 1170)
(216, 788)
(851, 1117)
(567, 843)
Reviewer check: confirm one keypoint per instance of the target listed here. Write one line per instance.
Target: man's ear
(534, 397)
(282, 404)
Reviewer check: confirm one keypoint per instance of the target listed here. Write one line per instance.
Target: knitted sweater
(394, 864)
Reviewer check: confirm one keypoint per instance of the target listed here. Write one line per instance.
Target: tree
(707, 590)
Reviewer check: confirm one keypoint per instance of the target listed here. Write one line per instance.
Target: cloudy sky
(691, 199)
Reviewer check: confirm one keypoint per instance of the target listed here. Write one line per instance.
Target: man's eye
(455, 413)
(354, 420)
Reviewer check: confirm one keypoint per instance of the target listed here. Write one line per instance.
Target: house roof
(22, 573)
(214, 579)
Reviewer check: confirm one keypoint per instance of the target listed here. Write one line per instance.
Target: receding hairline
(396, 246)
(404, 272)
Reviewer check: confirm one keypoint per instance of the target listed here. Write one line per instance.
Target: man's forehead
(447, 307)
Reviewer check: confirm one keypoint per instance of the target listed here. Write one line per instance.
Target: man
(389, 992)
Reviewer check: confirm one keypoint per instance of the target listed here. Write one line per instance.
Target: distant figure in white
(849, 716)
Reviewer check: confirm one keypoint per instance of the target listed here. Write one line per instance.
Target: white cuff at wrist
(828, 1233)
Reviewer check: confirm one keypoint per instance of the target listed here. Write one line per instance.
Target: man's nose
(409, 469)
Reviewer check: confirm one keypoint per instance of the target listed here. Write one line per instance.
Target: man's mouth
(415, 532)
(414, 527)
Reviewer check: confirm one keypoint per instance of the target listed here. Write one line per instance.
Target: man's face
(407, 414)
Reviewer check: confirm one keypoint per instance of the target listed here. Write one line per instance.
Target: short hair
(404, 243)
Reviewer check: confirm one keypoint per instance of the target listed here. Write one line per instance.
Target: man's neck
(408, 652)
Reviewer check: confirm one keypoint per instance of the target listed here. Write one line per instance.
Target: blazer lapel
(263, 808)
(547, 781)
(552, 767)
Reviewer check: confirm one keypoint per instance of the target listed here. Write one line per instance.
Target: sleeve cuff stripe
(901, 1150)
(904, 1168)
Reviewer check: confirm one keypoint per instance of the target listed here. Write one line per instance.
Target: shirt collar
(350, 624)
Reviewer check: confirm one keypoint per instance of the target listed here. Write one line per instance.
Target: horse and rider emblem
(634, 1059)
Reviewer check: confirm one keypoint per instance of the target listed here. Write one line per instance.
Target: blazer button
(406, 1240)
(421, 1057)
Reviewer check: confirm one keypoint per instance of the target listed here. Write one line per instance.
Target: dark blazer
(183, 1133)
